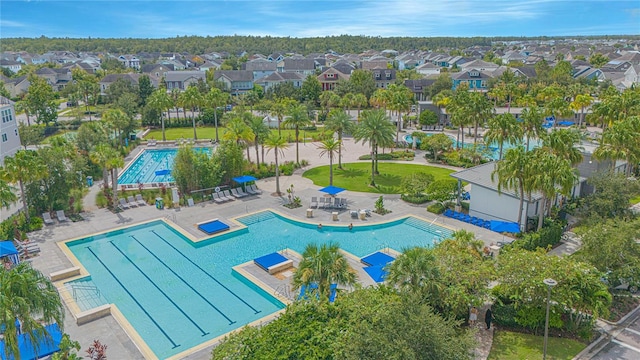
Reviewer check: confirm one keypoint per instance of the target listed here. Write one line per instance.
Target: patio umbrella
(332, 190)
(9, 250)
(243, 180)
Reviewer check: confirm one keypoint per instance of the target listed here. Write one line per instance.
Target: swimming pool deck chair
(241, 192)
(123, 204)
(61, 216)
(132, 202)
(140, 200)
(47, 218)
(216, 197)
(250, 191)
(322, 203)
(255, 189)
(236, 194)
(314, 202)
(227, 194)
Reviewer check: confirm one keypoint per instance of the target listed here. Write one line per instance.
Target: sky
(304, 18)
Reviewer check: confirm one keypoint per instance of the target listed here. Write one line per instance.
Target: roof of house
(115, 77)
(299, 64)
(184, 75)
(260, 65)
(148, 68)
(280, 77)
(234, 75)
(479, 64)
(481, 176)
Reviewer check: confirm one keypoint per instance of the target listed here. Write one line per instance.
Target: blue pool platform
(273, 262)
(213, 226)
(377, 258)
(45, 348)
(377, 272)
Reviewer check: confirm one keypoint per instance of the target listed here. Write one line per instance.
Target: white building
(9, 137)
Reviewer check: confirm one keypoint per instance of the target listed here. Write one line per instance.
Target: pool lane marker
(206, 273)
(184, 281)
(157, 287)
(135, 300)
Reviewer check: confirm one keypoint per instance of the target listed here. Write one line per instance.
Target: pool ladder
(384, 248)
(75, 287)
(283, 290)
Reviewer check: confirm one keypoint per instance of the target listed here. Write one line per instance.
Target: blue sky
(303, 18)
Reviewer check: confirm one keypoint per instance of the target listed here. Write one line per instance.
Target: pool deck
(108, 331)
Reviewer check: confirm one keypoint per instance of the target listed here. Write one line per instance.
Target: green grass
(509, 345)
(357, 176)
(634, 200)
(209, 132)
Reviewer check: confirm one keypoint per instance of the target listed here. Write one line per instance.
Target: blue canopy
(332, 190)
(8, 249)
(565, 123)
(27, 352)
(377, 272)
(163, 172)
(244, 179)
(505, 226)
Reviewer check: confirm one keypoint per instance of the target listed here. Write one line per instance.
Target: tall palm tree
(119, 121)
(503, 128)
(481, 110)
(323, 266)
(532, 119)
(401, 99)
(297, 118)
(192, 99)
(515, 172)
(377, 130)
(359, 101)
(101, 155)
(460, 111)
(175, 96)
(260, 131)
(620, 142)
(115, 162)
(580, 103)
(240, 132)
(329, 147)
(216, 98)
(25, 166)
(7, 193)
(329, 100)
(279, 109)
(160, 100)
(554, 176)
(565, 144)
(416, 271)
(276, 143)
(31, 298)
(340, 123)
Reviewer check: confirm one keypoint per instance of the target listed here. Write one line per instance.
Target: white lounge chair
(242, 192)
(25, 249)
(190, 202)
(255, 189)
(140, 200)
(61, 216)
(250, 191)
(132, 202)
(321, 203)
(227, 195)
(314, 202)
(216, 197)
(123, 204)
(47, 218)
(237, 194)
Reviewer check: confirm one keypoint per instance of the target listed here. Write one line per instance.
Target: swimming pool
(178, 294)
(494, 148)
(144, 167)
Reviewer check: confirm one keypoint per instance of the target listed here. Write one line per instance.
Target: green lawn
(357, 176)
(209, 132)
(510, 345)
(634, 200)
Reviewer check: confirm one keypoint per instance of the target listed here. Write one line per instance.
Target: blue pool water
(494, 148)
(178, 294)
(144, 167)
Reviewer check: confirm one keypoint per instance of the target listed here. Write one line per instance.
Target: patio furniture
(61, 216)
(250, 191)
(47, 218)
(131, 201)
(227, 194)
(328, 203)
(122, 204)
(190, 202)
(334, 216)
(314, 202)
(241, 192)
(255, 189)
(140, 200)
(354, 214)
(322, 202)
(309, 213)
(236, 194)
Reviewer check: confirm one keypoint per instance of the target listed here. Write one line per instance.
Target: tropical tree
(460, 110)
(216, 98)
(329, 100)
(416, 271)
(102, 155)
(239, 132)
(322, 266)
(340, 123)
(401, 99)
(515, 172)
(276, 143)
(377, 130)
(260, 131)
(297, 118)
(40, 100)
(160, 100)
(115, 162)
(532, 118)
(565, 144)
(481, 110)
(120, 122)
(555, 175)
(503, 128)
(25, 166)
(329, 147)
(359, 101)
(279, 109)
(620, 142)
(581, 102)
(29, 297)
(191, 98)
(7, 193)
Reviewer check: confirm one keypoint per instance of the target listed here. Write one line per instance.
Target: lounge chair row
(26, 249)
(328, 203)
(355, 213)
(237, 193)
(468, 219)
(49, 221)
(130, 202)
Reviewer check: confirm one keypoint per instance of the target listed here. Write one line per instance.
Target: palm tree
(323, 266)
(329, 147)
(192, 99)
(377, 130)
(340, 123)
(460, 110)
(175, 97)
(101, 155)
(481, 110)
(29, 297)
(7, 193)
(160, 100)
(503, 128)
(580, 103)
(119, 120)
(24, 167)
(329, 100)
(238, 131)
(276, 143)
(216, 98)
(297, 118)
(359, 101)
(515, 172)
(279, 109)
(401, 100)
(115, 162)
(416, 271)
(564, 143)
(620, 142)
(260, 131)
(532, 118)
(554, 176)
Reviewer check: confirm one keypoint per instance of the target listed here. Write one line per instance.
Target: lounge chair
(47, 218)
(314, 202)
(328, 203)
(367, 212)
(250, 191)
(123, 204)
(344, 203)
(216, 197)
(132, 202)
(60, 215)
(322, 203)
(234, 193)
(255, 189)
(227, 194)
(140, 200)
(190, 202)
(354, 214)
(241, 192)
(24, 249)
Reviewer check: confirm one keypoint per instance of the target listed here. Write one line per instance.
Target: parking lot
(625, 342)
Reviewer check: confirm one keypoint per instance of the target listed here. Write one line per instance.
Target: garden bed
(621, 305)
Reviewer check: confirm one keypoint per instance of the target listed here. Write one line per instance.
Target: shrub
(415, 199)
(17, 226)
(436, 208)
(547, 236)
(394, 155)
(101, 200)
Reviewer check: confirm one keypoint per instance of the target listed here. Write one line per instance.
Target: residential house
(374, 64)
(130, 61)
(343, 66)
(419, 87)
(523, 72)
(111, 78)
(428, 68)
(182, 79)
(476, 79)
(408, 61)
(260, 68)
(383, 77)
(89, 68)
(58, 78)
(177, 64)
(157, 70)
(480, 65)
(210, 65)
(330, 77)
(275, 57)
(305, 67)
(276, 78)
(16, 86)
(9, 136)
(12, 65)
(632, 76)
(513, 56)
(236, 81)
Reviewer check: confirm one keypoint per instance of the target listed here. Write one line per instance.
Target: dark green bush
(435, 208)
(17, 226)
(415, 199)
(394, 155)
(547, 236)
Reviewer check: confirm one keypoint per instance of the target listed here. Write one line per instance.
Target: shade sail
(377, 272)
(244, 179)
(504, 226)
(332, 190)
(28, 352)
(8, 249)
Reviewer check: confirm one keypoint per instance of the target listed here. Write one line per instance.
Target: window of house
(388, 74)
(16, 131)
(377, 75)
(4, 137)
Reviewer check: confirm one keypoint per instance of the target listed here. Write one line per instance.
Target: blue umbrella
(244, 179)
(332, 190)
